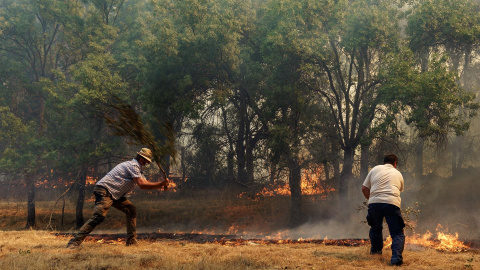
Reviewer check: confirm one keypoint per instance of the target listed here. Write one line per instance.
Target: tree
(62, 47)
(288, 106)
(450, 27)
(344, 69)
(73, 103)
(428, 100)
(19, 145)
(191, 51)
(91, 81)
(34, 37)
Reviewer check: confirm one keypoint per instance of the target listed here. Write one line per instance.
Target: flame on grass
(444, 241)
(310, 185)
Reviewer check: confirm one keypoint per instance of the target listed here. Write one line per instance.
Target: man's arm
(144, 184)
(402, 183)
(366, 192)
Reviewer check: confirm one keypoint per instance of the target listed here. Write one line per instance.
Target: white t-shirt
(385, 184)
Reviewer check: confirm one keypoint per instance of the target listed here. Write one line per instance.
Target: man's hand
(144, 184)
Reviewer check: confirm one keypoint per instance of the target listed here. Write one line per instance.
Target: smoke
(333, 229)
(450, 202)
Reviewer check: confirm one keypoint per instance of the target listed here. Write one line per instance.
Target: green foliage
(16, 141)
(372, 26)
(270, 77)
(190, 48)
(431, 101)
(205, 166)
(98, 79)
(454, 24)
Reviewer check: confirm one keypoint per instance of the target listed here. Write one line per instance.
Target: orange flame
(91, 180)
(232, 230)
(443, 242)
(172, 186)
(310, 185)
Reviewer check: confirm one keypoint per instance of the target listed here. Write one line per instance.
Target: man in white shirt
(382, 188)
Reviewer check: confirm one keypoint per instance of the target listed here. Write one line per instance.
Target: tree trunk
(273, 172)
(240, 144)
(183, 164)
(63, 212)
(167, 165)
(294, 180)
(41, 117)
(461, 152)
(326, 169)
(336, 166)
(419, 159)
(465, 81)
(418, 170)
(230, 160)
(249, 162)
(347, 174)
(80, 200)
(231, 148)
(31, 222)
(364, 161)
(455, 145)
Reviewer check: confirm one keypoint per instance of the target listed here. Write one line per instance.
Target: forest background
(300, 94)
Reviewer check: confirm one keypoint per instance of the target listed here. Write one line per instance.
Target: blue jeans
(393, 216)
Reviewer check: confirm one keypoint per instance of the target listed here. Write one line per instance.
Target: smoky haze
(237, 97)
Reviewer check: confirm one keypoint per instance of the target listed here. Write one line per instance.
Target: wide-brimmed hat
(146, 153)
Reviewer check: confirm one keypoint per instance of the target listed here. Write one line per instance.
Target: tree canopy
(238, 93)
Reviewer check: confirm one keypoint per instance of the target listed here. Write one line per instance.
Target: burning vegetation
(311, 184)
(444, 241)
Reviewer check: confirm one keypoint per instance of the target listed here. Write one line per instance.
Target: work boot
(396, 263)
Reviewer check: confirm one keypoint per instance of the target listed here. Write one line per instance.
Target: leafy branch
(126, 122)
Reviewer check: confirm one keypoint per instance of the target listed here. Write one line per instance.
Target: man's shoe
(397, 263)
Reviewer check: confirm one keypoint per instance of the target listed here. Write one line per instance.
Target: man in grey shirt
(382, 188)
(112, 189)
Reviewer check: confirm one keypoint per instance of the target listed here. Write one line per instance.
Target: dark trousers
(393, 216)
(103, 202)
